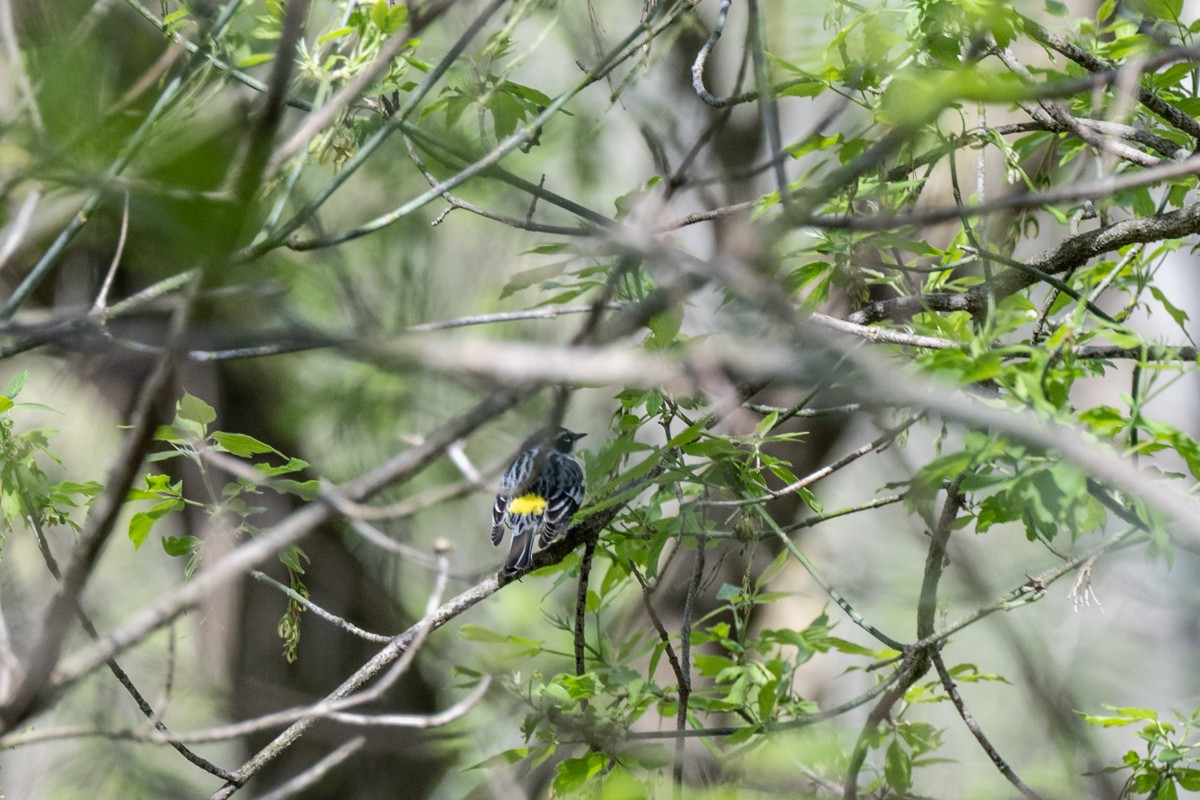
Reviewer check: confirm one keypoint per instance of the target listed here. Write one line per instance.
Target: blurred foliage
(134, 149)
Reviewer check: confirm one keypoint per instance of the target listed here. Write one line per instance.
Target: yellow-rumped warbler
(539, 492)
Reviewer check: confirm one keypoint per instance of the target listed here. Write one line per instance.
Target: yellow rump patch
(527, 504)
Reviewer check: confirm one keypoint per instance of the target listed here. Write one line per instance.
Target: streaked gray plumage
(539, 493)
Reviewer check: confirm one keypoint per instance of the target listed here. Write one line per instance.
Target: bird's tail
(520, 554)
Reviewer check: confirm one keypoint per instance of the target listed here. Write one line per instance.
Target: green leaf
(548, 249)
(180, 545)
(1125, 716)
(240, 444)
(689, 434)
(1178, 314)
(193, 409)
(139, 528)
(1163, 9)
(143, 521)
(897, 767)
(17, 384)
(379, 13)
(850, 648)
(1123, 339)
(711, 666)
(476, 633)
(1188, 778)
(5, 403)
(572, 773)
(291, 557)
(11, 504)
(728, 592)
(507, 113)
(664, 328)
(528, 277)
(305, 490)
(533, 96)
(254, 59)
(292, 465)
(397, 16)
(337, 33)
(922, 737)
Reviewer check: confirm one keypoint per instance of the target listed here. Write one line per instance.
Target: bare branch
(976, 731)
(342, 623)
(419, 721)
(317, 771)
(20, 224)
(550, 312)
(100, 307)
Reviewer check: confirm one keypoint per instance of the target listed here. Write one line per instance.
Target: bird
(539, 493)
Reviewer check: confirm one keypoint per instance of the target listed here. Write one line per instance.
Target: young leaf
(192, 409)
(239, 444)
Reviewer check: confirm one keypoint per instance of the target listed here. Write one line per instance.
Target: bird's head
(564, 440)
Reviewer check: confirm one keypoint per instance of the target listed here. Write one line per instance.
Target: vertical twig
(968, 229)
(917, 661)
(585, 569)
(19, 226)
(766, 100)
(685, 666)
(909, 674)
(935, 559)
(12, 54)
(101, 304)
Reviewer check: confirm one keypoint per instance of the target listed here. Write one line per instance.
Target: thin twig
(685, 661)
(767, 107)
(876, 444)
(976, 731)
(317, 771)
(819, 518)
(833, 594)
(908, 674)
(550, 312)
(101, 305)
(341, 622)
(581, 594)
(935, 559)
(20, 224)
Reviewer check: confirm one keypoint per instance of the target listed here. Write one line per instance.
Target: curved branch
(976, 731)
